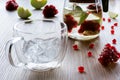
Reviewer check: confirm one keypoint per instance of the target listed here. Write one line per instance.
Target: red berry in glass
(70, 22)
(11, 5)
(109, 55)
(91, 45)
(84, 20)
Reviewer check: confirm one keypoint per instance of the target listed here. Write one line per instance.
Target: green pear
(38, 4)
(23, 13)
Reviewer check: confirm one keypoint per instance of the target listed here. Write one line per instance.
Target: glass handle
(8, 50)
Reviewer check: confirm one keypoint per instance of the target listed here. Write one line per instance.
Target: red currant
(102, 27)
(114, 41)
(116, 24)
(91, 45)
(81, 69)
(109, 20)
(112, 31)
(112, 27)
(75, 47)
(103, 19)
(89, 54)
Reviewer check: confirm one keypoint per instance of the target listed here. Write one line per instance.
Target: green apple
(38, 4)
(23, 13)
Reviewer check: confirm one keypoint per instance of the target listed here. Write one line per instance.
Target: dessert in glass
(83, 18)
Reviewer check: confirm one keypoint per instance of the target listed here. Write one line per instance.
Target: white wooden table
(68, 70)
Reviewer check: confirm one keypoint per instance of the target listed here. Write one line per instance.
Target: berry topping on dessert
(50, 11)
(70, 22)
(11, 5)
(109, 55)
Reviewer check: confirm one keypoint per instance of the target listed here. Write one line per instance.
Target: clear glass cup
(83, 18)
(40, 45)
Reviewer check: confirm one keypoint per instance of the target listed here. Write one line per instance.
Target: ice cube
(40, 50)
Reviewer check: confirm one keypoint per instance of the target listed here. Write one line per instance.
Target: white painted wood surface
(73, 59)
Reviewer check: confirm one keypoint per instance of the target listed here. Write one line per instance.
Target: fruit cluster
(70, 22)
(11, 5)
(50, 11)
(109, 55)
(90, 26)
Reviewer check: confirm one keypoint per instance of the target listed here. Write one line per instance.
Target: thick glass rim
(64, 27)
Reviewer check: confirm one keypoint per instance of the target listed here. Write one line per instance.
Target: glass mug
(39, 45)
(83, 18)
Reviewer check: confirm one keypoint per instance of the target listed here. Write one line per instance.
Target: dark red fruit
(75, 47)
(112, 32)
(91, 45)
(112, 27)
(49, 11)
(116, 24)
(81, 69)
(109, 55)
(102, 27)
(11, 5)
(95, 8)
(109, 20)
(103, 19)
(114, 41)
(89, 26)
(70, 22)
(89, 54)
